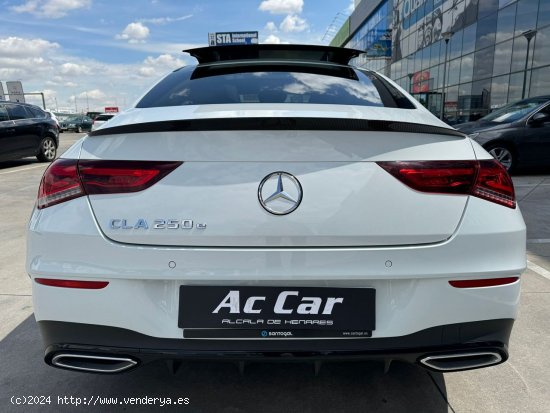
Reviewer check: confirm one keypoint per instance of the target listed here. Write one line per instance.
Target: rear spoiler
(276, 123)
(295, 52)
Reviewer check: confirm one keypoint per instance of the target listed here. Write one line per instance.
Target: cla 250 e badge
(140, 223)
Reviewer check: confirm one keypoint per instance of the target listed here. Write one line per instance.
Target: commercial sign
(232, 38)
(419, 23)
(111, 109)
(421, 82)
(15, 91)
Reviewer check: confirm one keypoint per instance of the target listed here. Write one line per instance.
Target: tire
(504, 154)
(47, 150)
(79, 129)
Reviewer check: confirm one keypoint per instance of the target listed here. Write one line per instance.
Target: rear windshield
(270, 84)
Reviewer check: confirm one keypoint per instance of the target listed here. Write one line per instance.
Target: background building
(486, 50)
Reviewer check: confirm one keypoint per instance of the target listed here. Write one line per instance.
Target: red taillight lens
(86, 285)
(494, 184)
(488, 282)
(67, 179)
(486, 179)
(59, 183)
(456, 177)
(113, 177)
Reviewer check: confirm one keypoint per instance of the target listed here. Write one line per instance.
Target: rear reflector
(87, 285)
(486, 179)
(67, 179)
(490, 282)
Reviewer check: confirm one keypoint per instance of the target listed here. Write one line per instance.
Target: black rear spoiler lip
(276, 123)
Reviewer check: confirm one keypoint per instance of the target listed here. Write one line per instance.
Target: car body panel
(348, 199)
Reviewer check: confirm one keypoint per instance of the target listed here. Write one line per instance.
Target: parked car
(77, 124)
(26, 130)
(517, 134)
(92, 115)
(101, 119)
(274, 201)
(52, 115)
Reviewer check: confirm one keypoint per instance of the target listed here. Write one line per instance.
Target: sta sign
(232, 38)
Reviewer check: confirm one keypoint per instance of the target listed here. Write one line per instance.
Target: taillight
(115, 177)
(67, 179)
(59, 183)
(494, 184)
(456, 177)
(486, 179)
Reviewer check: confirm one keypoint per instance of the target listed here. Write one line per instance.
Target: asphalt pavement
(519, 385)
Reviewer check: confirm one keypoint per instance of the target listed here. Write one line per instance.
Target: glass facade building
(483, 60)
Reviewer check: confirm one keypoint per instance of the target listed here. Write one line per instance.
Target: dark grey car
(77, 124)
(26, 130)
(517, 134)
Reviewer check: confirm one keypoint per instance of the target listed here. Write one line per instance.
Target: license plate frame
(218, 312)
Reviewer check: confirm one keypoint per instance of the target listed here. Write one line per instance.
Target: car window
(3, 114)
(37, 113)
(545, 110)
(263, 84)
(513, 112)
(17, 112)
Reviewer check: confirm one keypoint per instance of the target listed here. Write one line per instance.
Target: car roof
(30, 105)
(542, 97)
(284, 52)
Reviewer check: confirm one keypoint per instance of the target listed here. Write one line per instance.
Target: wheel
(79, 129)
(47, 150)
(504, 155)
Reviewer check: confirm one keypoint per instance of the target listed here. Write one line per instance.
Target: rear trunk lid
(215, 199)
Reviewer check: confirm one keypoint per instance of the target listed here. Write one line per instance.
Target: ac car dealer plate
(276, 312)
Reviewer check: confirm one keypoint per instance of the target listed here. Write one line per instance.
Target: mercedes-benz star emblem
(280, 193)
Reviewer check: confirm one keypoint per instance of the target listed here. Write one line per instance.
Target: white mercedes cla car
(274, 201)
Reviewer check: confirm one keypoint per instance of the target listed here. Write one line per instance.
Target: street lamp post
(410, 83)
(446, 36)
(529, 34)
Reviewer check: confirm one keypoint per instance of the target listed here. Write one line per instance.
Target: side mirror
(539, 118)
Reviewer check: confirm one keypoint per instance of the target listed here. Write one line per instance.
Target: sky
(88, 54)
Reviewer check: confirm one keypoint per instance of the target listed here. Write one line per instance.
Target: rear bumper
(74, 338)
(413, 293)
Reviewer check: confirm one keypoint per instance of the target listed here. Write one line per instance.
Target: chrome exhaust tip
(93, 363)
(462, 361)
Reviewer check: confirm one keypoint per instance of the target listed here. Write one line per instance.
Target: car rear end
(247, 221)
(99, 120)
